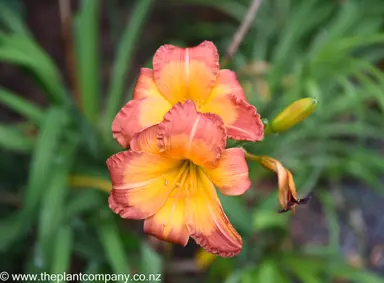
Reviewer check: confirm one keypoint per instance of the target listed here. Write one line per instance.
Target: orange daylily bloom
(168, 176)
(181, 74)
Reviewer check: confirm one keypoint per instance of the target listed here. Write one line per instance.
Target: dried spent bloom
(293, 115)
(287, 189)
(181, 74)
(168, 176)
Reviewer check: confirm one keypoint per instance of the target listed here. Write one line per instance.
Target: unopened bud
(293, 114)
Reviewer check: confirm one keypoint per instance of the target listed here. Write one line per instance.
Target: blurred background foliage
(57, 107)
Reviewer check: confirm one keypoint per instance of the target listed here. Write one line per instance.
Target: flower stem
(241, 31)
(252, 157)
(80, 181)
(268, 131)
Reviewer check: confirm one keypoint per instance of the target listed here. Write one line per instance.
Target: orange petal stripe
(188, 134)
(186, 73)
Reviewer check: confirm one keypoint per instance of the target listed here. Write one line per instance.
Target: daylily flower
(168, 176)
(287, 190)
(181, 74)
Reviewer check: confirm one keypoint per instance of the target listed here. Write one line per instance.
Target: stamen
(177, 194)
(192, 178)
(181, 172)
(184, 176)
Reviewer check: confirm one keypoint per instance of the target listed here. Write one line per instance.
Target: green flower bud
(293, 115)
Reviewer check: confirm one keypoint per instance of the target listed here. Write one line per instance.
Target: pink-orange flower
(168, 178)
(181, 74)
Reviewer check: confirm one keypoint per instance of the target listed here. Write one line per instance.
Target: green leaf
(53, 201)
(333, 224)
(362, 172)
(266, 219)
(235, 276)
(21, 106)
(112, 244)
(83, 200)
(62, 247)
(356, 129)
(12, 138)
(306, 269)
(123, 59)
(237, 213)
(87, 42)
(23, 51)
(11, 228)
(151, 263)
(269, 272)
(354, 274)
(43, 158)
(11, 18)
(93, 267)
(294, 29)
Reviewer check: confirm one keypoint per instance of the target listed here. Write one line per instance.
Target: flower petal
(227, 83)
(168, 223)
(146, 109)
(186, 73)
(147, 140)
(231, 174)
(207, 222)
(141, 183)
(188, 134)
(240, 118)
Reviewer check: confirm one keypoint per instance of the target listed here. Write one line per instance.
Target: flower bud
(293, 114)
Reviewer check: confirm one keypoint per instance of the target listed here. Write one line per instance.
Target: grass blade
(355, 275)
(112, 244)
(23, 51)
(43, 157)
(62, 250)
(21, 106)
(87, 42)
(53, 202)
(11, 228)
(151, 263)
(10, 18)
(13, 139)
(83, 201)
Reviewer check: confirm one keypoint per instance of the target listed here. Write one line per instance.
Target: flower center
(198, 102)
(186, 179)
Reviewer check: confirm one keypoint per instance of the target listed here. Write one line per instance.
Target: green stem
(268, 131)
(252, 157)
